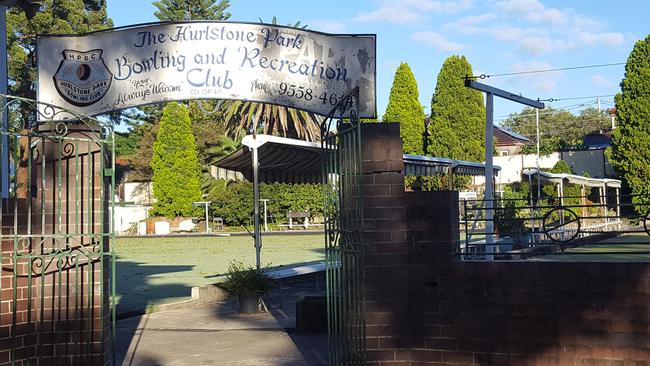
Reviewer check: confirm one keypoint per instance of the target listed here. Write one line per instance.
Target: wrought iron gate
(55, 237)
(341, 146)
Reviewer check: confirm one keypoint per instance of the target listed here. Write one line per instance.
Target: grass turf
(624, 248)
(153, 271)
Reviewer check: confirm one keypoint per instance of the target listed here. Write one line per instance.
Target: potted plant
(248, 284)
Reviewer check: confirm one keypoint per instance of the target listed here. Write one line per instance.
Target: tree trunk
(22, 171)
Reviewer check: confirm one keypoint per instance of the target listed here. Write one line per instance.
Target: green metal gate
(341, 146)
(55, 237)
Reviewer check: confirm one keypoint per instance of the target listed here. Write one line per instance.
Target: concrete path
(215, 334)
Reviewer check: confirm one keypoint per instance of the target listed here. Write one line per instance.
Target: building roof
(506, 137)
(296, 161)
(428, 165)
(597, 140)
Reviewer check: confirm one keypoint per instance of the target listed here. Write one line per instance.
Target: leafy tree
(561, 167)
(61, 17)
(242, 117)
(54, 17)
(233, 200)
(630, 151)
(404, 107)
(559, 129)
(191, 9)
(572, 191)
(141, 159)
(457, 128)
(175, 164)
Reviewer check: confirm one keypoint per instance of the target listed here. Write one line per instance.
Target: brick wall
(60, 313)
(424, 307)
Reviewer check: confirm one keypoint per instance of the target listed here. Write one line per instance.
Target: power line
(551, 100)
(555, 110)
(486, 76)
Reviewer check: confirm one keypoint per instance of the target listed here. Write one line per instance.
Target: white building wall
(139, 192)
(513, 165)
(125, 216)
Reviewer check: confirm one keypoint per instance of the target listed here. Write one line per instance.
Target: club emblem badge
(82, 78)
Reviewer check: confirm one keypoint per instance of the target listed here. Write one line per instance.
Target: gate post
(54, 245)
(409, 237)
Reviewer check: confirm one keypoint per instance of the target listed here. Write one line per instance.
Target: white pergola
(559, 180)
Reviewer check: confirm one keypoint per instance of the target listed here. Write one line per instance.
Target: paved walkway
(215, 334)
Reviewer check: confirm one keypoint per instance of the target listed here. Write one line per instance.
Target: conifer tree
(457, 128)
(630, 151)
(404, 107)
(175, 165)
(52, 17)
(192, 9)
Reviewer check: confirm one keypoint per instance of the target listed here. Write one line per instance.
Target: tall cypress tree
(630, 151)
(457, 128)
(176, 173)
(404, 107)
(191, 9)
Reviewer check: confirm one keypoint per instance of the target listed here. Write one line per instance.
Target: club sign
(116, 69)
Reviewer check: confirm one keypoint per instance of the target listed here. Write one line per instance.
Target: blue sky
(496, 36)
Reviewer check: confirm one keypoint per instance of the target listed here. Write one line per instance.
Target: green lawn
(619, 249)
(153, 271)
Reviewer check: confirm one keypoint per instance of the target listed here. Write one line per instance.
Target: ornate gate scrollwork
(56, 234)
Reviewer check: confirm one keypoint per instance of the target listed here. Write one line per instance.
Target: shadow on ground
(281, 303)
(137, 291)
(215, 334)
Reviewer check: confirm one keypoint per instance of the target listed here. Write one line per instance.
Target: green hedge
(233, 200)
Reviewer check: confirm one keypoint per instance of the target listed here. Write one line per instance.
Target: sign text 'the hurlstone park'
(117, 69)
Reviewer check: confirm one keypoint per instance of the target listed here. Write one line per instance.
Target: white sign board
(111, 70)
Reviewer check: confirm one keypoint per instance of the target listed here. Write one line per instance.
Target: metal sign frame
(312, 73)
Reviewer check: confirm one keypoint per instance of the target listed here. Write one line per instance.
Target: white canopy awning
(297, 161)
(280, 159)
(573, 179)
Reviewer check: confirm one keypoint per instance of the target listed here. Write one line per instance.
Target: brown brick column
(61, 306)
(385, 231)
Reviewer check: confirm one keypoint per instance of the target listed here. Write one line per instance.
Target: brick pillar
(61, 308)
(386, 250)
(10, 287)
(433, 221)
(407, 235)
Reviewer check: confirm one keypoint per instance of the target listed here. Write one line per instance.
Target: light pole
(266, 226)
(207, 205)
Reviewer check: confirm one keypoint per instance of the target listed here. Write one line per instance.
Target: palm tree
(244, 117)
(224, 147)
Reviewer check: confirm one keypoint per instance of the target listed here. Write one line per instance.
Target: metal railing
(615, 228)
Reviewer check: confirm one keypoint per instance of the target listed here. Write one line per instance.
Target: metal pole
(207, 227)
(489, 176)
(256, 208)
(539, 178)
(4, 116)
(266, 224)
